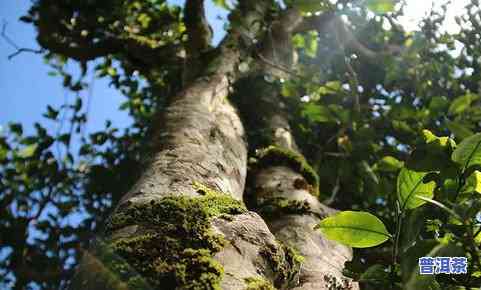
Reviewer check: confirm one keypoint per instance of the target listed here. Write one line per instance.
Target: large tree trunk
(285, 192)
(184, 224)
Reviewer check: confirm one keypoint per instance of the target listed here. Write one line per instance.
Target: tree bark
(183, 225)
(284, 193)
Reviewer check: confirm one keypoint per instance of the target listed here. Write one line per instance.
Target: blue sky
(26, 88)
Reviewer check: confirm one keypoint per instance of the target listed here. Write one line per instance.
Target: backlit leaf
(317, 113)
(459, 130)
(355, 229)
(429, 137)
(28, 151)
(389, 164)
(411, 184)
(460, 104)
(468, 152)
(473, 183)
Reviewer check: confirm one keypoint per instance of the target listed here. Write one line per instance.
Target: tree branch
(330, 19)
(317, 22)
(198, 30)
(19, 50)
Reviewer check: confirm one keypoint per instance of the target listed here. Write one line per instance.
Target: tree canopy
(389, 120)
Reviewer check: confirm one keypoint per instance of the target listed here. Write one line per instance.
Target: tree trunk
(285, 192)
(184, 225)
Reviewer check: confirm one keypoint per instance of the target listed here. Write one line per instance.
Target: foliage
(356, 229)
(415, 189)
(384, 158)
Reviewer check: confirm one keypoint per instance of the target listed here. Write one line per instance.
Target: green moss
(285, 262)
(276, 156)
(255, 283)
(278, 206)
(103, 268)
(174, 245)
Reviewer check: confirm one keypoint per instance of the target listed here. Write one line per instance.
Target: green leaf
(3, 153)
(409, 261)
(298, 41)
(317, 113)
(28, 151)
(460, 104)
(334, 85)
(402, 126)
(355, 229)
(376, 274)
(330, 88)
(51, 113)
(413, 224)
(311, 42)
(473, 183)
(434, 155)
(468, 152)
(388, 164)
(438, 104)
(289, 89)
(410, 184)
(459, 130)
(111, 71)
(308, 42)
(477, 239)
(16, 128)
(380, 6)
(64, 138)
(429, 137)
(341, 113)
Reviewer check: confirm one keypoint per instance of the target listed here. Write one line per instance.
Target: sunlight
(416, 10)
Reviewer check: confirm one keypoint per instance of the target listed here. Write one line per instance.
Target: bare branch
(277, 66)
(276, 49)
(353, 80)
(18, 49)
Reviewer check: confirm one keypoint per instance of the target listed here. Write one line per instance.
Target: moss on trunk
(255, 283)
(173, 244)
(276, 207)
(277, 156)
(286, 263)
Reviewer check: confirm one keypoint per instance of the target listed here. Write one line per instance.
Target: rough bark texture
(283, 193)
(202, 140)
(202, 148)
(183, 225)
